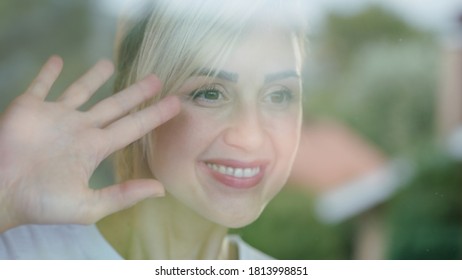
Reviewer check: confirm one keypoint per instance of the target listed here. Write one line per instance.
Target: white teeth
(248, 172)
(235, 172)
(229, 171)
(238, 172)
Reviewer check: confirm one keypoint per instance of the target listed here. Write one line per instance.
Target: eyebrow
(220, 74)
(234, 77)
(281, 76)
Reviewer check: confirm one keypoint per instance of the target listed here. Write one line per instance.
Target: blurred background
(379, 170)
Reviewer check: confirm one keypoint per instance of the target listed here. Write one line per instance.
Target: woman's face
(230, 150)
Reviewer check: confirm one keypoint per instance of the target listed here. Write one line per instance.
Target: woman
(234, 69)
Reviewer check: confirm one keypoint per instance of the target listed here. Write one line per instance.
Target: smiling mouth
(235, 174)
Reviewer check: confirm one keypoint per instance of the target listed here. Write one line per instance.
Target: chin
(239, 215)
(238, 219)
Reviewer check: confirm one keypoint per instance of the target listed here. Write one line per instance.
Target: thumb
(126, 194)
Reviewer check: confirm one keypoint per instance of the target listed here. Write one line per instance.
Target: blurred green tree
(381, 79)
(345, 35)
(383, 82)
(424, 218)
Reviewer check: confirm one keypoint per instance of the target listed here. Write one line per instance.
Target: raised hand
(49, 150)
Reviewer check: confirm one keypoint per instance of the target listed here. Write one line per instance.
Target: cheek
(166, 140)
(285, 135)
(179, 141)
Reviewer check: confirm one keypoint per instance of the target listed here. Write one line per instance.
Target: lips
(236, 174)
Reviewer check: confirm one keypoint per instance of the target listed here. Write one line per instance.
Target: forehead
(266, 50)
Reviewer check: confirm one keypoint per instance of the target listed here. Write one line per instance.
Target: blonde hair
(173, 38)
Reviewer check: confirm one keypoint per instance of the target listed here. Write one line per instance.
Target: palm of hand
(49, 150)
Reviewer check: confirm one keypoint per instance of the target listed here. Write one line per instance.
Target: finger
(134, 126)
(124, 195)
(46, 77)
(121, 103)
(80, 91)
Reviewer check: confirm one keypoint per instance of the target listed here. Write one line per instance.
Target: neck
(165, 229)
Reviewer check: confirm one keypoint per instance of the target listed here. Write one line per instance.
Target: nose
(245, 130)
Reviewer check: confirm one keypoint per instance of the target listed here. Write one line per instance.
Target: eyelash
(198, 95)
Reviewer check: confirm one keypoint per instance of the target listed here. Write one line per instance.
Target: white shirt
(76, 242)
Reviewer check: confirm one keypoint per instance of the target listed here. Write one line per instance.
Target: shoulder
(247, 252)
(55, 242)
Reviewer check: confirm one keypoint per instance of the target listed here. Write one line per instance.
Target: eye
(279, 97)
(209, 96)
